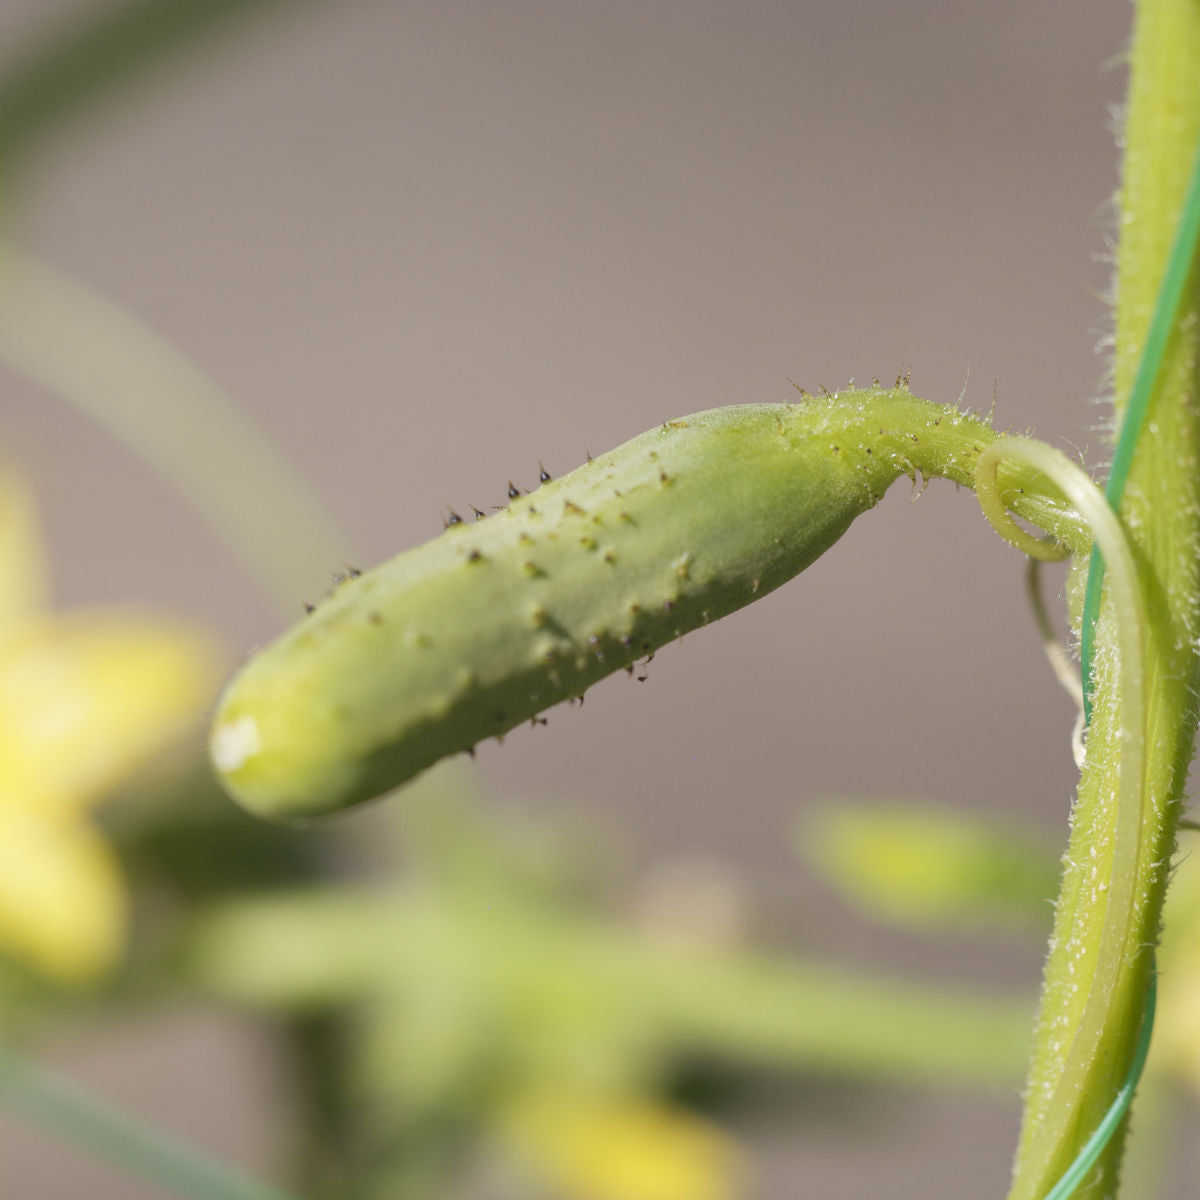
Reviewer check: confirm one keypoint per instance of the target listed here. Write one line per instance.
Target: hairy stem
(1159, 512)
(1115, 877)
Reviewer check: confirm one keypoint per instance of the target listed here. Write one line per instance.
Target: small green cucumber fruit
(479, 630)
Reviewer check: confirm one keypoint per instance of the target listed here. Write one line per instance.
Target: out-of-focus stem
(87, 350)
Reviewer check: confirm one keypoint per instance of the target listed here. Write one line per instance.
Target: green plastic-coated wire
(123, 1140)
(1166, 309)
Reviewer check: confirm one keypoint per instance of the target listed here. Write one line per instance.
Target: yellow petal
(622, 1149)
(22, 562)
(1176, 1045)
(85, 700)
(1175, 1049)
(62, 900)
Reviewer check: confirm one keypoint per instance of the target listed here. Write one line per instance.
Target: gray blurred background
(426, 245)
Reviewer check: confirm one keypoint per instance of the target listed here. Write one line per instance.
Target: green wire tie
(121, 1139)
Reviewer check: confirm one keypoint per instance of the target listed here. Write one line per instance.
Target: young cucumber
(479, 630)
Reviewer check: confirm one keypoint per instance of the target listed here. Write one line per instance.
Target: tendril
(1056, 654)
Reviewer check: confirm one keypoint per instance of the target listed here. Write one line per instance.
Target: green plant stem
(1096, 1144)
(1115, 880)
(1160, 515)
(1179, 270)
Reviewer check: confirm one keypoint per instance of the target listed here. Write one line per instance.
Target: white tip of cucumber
(233, 742)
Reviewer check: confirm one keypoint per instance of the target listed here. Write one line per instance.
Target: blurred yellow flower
(84, 701)
(622, 1148)
(1175, 1050)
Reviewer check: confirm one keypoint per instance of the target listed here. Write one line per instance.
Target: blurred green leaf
(487, 976)
(923, 867)
(93, 55)
(551, 988)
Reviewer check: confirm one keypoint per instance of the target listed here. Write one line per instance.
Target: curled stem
(1118, 938)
